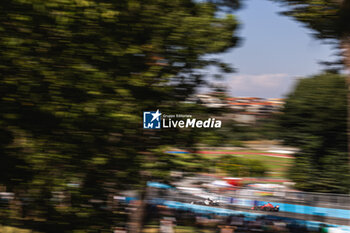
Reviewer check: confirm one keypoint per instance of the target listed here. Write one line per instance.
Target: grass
(277, 166)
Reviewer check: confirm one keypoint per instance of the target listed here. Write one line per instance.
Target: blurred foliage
(75, 78)
(314, 121)
(329, 18)
(160, 165)
(241, 167)
(330, 21)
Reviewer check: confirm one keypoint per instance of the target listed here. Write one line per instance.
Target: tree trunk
(137, 216)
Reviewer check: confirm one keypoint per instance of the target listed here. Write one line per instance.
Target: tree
(75, 78)
(314, 120)
(330, 19)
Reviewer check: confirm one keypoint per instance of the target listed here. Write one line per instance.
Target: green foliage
(212, 138)
(236, 166)
(329, 18)
(159, 164)
(75, 78)
(314, 120)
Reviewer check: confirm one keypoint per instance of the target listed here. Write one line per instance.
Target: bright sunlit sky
(274, 52)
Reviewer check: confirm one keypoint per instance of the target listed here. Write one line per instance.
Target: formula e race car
(267, 207)
(207, 202)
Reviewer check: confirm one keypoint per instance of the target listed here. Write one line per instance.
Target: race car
(208, 202)
(267, 207)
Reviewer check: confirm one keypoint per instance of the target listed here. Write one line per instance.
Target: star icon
(156, 115)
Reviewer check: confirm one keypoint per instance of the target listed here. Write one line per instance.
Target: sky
(275, 51)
